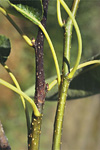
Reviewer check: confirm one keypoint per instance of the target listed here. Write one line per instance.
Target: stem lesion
(40, 86)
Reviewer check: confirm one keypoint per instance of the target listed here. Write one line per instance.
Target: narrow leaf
(87, 81)
(5, 48)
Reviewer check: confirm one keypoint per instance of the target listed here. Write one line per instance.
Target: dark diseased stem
(40, 79)
(40, 87)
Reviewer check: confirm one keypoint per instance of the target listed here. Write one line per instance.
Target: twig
(40, 88)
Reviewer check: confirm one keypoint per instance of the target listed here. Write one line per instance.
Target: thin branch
(78, 36)
(67, 39)
(40, 87)
(40, 79)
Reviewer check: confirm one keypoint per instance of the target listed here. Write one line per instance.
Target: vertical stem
(64, 82)
(71, 74)
(67, 38)
(35, 132)
(40, 87)
(60, 114)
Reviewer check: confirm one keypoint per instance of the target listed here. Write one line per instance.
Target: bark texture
(40, 79)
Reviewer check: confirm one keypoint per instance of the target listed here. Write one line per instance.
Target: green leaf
(5, 48)
(30, 9)
(85, 83)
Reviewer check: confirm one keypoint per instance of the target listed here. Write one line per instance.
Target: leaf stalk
(25, 37)
(13, 88)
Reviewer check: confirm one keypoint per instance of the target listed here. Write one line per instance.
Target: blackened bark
(40, 87)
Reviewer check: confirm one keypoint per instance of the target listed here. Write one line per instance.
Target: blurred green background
(81, 129)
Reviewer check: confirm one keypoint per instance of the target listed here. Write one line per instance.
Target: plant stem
(78, 36)
(40, 87)
(64, 82)
(35, 132)
(67, 38)
(60, 114)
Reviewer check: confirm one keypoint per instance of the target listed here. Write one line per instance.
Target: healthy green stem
(59, 114)
(78, 36)
(68, 34)
(8, 85)
(65, 81)
(35, 131)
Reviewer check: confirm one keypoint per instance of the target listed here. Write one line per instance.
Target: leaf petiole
(13, 88)
(26, 38)
(53, 52)
(52, 84)
(59, 14)
(22, 98)
(88, 63)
